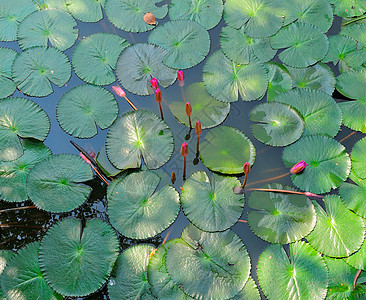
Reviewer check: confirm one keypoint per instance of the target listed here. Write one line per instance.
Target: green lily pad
(207, 13)
(86, 255)
(354, 114)
(128, 14)
(338, 231)
(205, 109)
(304, 44)
(129, 277)
(6, 82)
(348, 8)
(53, 184)
(328, 163)
(142, 212)
(86, 10)
(46, 4)
(209, 265)
(279, 79)
(224, 79)
(101, 50)
(358, 158)
(277, 124)
(280, 217)
(105, 165)
(320, 112)
(339, 47)
(13, 174)
(48, 26)
(20, 117)
(36, 68)
(23, 279)
(358, 259)
(356, 32)
(301, 275)
(5, 255)
(260, 18)
(81, 109)
(226, 149)
(240, 48)
(144, 61)
(139, 134)
(12, 13)
(249, 292)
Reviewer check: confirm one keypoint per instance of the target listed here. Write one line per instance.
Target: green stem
(354, 20)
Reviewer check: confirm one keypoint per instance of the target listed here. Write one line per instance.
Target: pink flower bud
(246, 168)
(299, 167)
(188, 109)
(118, 90)
(197, 128)
(84, 158)
(154, 83)
(184, 149)
(180, 75)
(158, 97)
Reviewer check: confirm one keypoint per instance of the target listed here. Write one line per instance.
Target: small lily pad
(358, 259)
(358, 158)
(86, 10)
(46, 4)
(6, 82)
(354, 114)
(348, 8)
(339, 47)
(279, 80)
(249, 292)
(5, 256)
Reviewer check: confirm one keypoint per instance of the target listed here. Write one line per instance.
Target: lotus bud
(184, 149)
(158, 95)
(119, 91)
(180, 75)
(173, 177)
(188, 109)
(85, 158)
(154, 83)
(197, 128)
(246, 168)
(298, 168)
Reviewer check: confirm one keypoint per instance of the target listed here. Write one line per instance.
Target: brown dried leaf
(149, 18)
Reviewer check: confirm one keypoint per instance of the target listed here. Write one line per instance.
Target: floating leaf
(101, 50)
(339, 47)
(86, 255)
(358, 158)
(53, 185)
(225, 150)
(338, 231)
(250, 291)
(280, 80)
(6, 82)
(302, 275)
(23, 118)
(277, 124)
(86, 10)
(356, 59)
(207, 13)
(85, 106)
(144, 61)
(348, 8)
(105, 165)
(354, 114)
(5, 255)
(48, 26)
(36, 68)
(224, 79)
(139, 134)
(45, 4)
(304, 44)
(356, 32)
(328, 163)
(358, 259)
(179, 38)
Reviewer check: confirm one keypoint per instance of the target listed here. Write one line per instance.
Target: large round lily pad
(86, 10)
(358, 158)
(279, 79)
(6, 82)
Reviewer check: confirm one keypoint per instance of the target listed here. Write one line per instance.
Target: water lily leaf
(179, 37)
(358, 158)
(86, 10)
(277, 124)
(20, 117)
(86, 255)
(53, 185)
(207, 13)
(45, 4)
(13, 174)
(101, 50)
(105, 165)
(139, 134)
(6, 82)
(36, 68)
(12, 13)
(239, 47)
(279, 79)
(129, 277)
(302, 275)
(348, 8)
(23, 279)
(260, 18)
(81, 108)
(279, 217)
(339, 47)
(304, 44)
(328, 163)
(321, 113)
(209, 265)
(205, 109)
(48, 26)
(250, 291)
(354, 114)
(5, 255)
(358, 259)
(144, 61)
(352, 84)
(224, 79)
(355, 31)
(226, 149)
(338, 231)
(128, 15)
(142, 213)
(356, 59)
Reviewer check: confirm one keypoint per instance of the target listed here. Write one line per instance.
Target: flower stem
(245, 181)
(269, 179)
(130, 103)
(161, 111)
(286, 191)
(17, 208)
(184, 168)
(198, 145)
(354, 20)
(190, 122)
(355, 279)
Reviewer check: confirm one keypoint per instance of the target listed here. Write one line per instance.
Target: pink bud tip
(184, 149)
(84, 158)
(299, 167)
(246, 168)
(158, 97)
(154, 83)
(180, 75)
(118, 90)
(197, 128)
(188, 109)
(307, 194)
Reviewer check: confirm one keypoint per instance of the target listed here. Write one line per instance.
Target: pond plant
(273, 87)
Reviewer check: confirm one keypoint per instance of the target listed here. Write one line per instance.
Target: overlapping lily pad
(250, 291)
(46, 4)
(86, 254)
(358, 259)
(86, 10)
(339, 47)
(279, 80)
(358, 158)
(6, 82)
(5, 256)
(348, 8)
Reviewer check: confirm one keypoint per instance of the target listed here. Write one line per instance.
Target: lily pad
(101, 50)
(144, 61)
(53, 184)
(139, 134)
(328, 163)
(358, 158)
(48, 26)
(46, 4)
(304, 44)
(205, 109)
(36, 68)
(358, 259)
(338, 231)
(13, 174)
(277, 124)
(348, 8)
(280, 217)
(279, 79)
(301, 275)
(86, 254)
(354, 114)
(207, 13)
(209, 265)
(224, 79)
(6, 82)
(85, 106)
(20, 117)
(226, 149)
(249, 292)
(86, 10)
(5, 255)
(339, 47)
